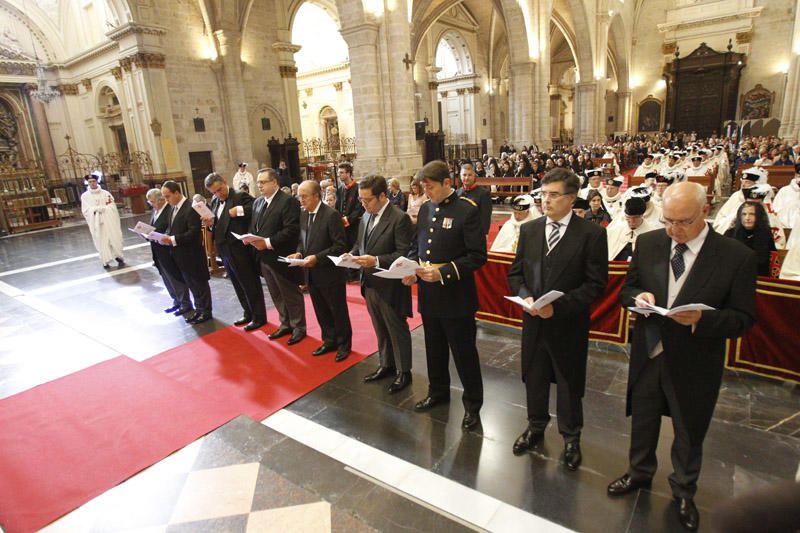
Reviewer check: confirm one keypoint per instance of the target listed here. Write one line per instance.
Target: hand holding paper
(645, 308)
(203, 210)
(543, 301)
(401, 267)
(247, 238)
(344, 261)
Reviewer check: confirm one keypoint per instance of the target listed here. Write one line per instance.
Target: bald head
(684, 210)
(686, 191)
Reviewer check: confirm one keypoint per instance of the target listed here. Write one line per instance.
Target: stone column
(233, 95)
(520, 109)
(433, 91)
(42, 131)
(288, 70)
(585, 119)
(624, 110)
(555, 111)
(790, 112)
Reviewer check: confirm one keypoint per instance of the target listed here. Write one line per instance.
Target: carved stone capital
(444, 94)
(288, 71)
(744, 37)
(433, 85)
(126, 63)
(149, 60)
(87, 84)
(668, 48)
(338, 86)
(68, 89)
(473, 90)
(117, 73)
(460, 91)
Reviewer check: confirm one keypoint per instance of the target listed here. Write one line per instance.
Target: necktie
(368, 232)
(678, 265)
(173, 210)
(555, 235)
(308, 229)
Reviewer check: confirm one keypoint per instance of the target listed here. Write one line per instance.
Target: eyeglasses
(366, 200)
(679, 223)
(552, 195)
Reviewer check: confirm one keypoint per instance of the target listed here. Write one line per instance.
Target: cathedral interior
(146, 91)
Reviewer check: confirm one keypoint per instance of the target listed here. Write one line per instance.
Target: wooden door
(202, 166)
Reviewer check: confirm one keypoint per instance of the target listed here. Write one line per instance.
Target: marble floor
(349, 456)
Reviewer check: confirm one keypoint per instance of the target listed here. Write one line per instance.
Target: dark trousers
(242, 271)
(330, 306)
(288, 300)
(176, 288)
(201, 292)
(541, 372)
(443, 335)
(653, 396)
(391, 328)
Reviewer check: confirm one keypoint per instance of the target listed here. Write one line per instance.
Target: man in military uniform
(479, 195)
(450, 247)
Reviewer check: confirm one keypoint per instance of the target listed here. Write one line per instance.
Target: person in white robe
(622, 237)
(646, 166)
(760, 193)
(244, 177)
(508, 236)
(612, 197)
(100, 211)
(791, 265)
(652, 212)
(595, 177)
(662, 182)
(786, 203)
(609, 154)
(726, 216)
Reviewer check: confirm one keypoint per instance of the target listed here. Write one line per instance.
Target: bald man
(676, 362)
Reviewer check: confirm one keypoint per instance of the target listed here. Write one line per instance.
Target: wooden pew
(777, 176)
(525, 183)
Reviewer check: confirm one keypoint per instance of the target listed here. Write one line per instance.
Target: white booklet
(202, 210)
(543, 300)
(344, 262)
(247, 238)
(142, 229)
(644, 308)
(402, 267)
(292, 262)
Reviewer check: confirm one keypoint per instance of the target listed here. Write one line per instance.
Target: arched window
(452, 56)
(317, 33)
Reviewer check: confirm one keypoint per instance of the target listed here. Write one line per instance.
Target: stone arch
(561, 25)
(582, 40)
(101, 96)
(45, 33)
(26, 144)
(461, 51)
(329, 6)
(620, 58)
(421, 26)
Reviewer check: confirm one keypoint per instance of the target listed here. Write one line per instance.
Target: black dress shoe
(172, 309)
(625, 484)
(687, 513)
(120, 262)
(572, 455)
(322, 350)
(470, 421)
(527, 441)
(429, 403)
(402, 381)
(254, 325)
(342, 354)
(199, 318)
(242, 321)
(296, 337)
(107, 266)
(382, 372)
(187, 311)
(280, 332)
(190, 316)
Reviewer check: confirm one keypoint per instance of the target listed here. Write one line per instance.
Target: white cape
(101, 215)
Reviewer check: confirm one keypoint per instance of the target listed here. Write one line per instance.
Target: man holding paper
(566, 253)
(384, 235)
(677, 361)
(232, 211)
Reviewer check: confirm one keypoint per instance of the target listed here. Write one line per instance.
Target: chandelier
(43, 92)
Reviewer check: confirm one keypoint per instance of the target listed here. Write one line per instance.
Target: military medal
(447, 223)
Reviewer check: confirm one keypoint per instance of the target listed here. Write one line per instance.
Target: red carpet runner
(67, 441)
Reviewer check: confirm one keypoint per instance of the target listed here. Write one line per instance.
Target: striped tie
(555, 235)
(678, 265)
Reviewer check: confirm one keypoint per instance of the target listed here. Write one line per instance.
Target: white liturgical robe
(101, 215)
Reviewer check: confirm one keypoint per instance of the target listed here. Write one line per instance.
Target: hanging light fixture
(43, 92)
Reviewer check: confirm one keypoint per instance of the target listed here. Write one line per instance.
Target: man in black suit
(183, 235)
(676, 362)
(384, 235)
(162, 259)
(564, 252)
(479, 195)
(276, 219)
(321, 235)
(232, 213)
(450, 248)
(347, 202)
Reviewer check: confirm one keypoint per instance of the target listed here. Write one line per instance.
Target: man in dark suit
(162, 259)
(384, 235)
(450, 247)
(232, 213)
(321, 235)
(347, 202)
(564, 252)
(677, 361)
(276, 220)
(183, 235)
(479, 195)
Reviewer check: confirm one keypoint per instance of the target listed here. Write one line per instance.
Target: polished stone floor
(59, 318)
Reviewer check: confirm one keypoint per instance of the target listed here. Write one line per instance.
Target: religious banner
(609, 321)
(772, 347)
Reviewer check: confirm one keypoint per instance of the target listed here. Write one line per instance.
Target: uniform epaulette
(470, 200)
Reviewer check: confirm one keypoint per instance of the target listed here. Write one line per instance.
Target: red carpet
(67, 441)
(256, 376)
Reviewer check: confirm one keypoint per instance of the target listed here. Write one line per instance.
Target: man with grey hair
(676, 361)
(162, 259)
(232, 210)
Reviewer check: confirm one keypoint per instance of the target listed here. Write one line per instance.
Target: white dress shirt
(172, 217)
(377, 218)
(267, 201)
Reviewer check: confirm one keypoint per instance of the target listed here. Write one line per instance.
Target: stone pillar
(234, 106)
(555, 111)
(433, 91)
(790, 111)
(42, 130)
(520, 119)
(624, 111)
(288, 70)
(585, 118)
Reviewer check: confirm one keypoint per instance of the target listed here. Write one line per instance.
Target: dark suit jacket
(349, 206)
(280, 222)
(724, 277)
(326, 238)
(224, 224)
(188, 253)
(579, 269)
(388, 240)
(483, 199)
